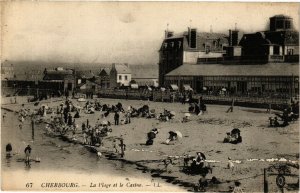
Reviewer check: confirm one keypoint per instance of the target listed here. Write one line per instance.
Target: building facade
(261, 64)
(145, 75)
(188, 47)
(60, 78)
(276, 80)
(104, 78)
(120, 75)
(278, 44)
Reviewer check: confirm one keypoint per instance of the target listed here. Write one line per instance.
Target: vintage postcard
(149, 96)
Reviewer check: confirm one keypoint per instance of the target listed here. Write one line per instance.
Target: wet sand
(203, 133)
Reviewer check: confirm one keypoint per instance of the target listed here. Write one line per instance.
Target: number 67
(29, 185)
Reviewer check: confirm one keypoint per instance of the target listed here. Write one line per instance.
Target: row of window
(234, 78)
(125, 77)
(279, 79)
(172, 44)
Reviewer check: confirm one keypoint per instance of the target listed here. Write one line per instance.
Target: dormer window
(179, 44)
(165, 45)
(172, 44)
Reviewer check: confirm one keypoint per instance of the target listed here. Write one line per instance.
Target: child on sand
(203, 182)
(227, 139)
(27, 152)
(84, 138)
(237, 188)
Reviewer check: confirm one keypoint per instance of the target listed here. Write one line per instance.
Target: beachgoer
(122, 147)
(128, 121)
(22, 119)
(231, 107)
(74, 135)
(172, 137)
(230, 164)
(117, 117)
(199, 159)
(271, 121)
(3, 117)
(203, 182)
(65, 115)
(83, 127)
(151, 136)
(48, 129)
(70, 121)
(237, 188)
(237, 138)
(276, 123)
(27, 152)
(8, 150)
(77, 114)
(44, 111)
(115, 145)
(227, 139)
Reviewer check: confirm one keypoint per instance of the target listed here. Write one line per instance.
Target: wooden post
(292, 91)
(266, 188)
(32, 128)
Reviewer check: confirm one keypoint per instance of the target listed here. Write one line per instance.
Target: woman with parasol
(173, 136)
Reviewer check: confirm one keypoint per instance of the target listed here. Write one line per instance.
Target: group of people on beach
(289, 114)
(93, 134)
(233, 137)
(197, 107)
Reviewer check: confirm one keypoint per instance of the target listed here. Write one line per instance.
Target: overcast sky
(98, 32)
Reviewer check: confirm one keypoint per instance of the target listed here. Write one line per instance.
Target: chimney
(230, 38)
(169, 34)
(235, 37)
(113, 65)
(192, 37)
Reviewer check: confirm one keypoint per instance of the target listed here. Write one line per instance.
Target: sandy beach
(203, 133)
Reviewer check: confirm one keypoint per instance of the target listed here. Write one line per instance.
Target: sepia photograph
(149, 96)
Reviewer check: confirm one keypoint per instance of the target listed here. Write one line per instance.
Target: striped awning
(187, 87)
(174, 87)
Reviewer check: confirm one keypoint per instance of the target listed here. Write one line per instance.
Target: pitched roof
(203, 38)
(287, 37)
(85, 74)
(274, 69)
(104, 71)
(122, 69)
